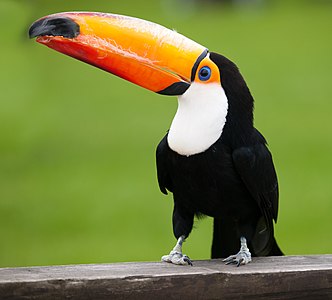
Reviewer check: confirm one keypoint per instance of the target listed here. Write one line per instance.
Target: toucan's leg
(182, 226)
(243, 257)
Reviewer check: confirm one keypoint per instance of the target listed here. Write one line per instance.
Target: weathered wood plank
(289, 277)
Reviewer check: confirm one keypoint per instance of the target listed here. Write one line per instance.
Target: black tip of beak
(54, 26)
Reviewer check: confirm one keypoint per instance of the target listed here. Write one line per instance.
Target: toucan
(212, 159)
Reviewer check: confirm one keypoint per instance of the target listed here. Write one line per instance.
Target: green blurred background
(77, 145)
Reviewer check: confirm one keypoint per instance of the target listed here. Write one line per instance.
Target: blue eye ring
(204, 73)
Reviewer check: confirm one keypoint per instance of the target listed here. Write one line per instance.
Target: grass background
(77, 168)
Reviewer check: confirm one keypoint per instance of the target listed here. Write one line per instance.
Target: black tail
(275, 251)
(226, 240)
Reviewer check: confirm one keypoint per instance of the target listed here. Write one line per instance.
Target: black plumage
(233, 181)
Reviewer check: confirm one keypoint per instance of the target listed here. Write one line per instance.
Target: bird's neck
(199, 120)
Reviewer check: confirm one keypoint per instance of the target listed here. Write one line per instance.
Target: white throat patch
(199, 120)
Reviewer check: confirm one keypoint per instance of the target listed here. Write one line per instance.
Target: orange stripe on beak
(139, 51)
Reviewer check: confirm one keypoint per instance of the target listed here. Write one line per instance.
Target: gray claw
(240, 262)
(188, 260)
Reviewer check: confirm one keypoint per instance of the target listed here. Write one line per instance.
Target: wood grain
(288, 277)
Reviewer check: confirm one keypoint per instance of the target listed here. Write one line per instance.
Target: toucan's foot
(175, 256)
(243, 257)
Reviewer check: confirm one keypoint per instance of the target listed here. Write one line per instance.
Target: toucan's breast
(199, 120)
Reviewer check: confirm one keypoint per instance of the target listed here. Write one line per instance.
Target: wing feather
(255, 167)
(164, 179)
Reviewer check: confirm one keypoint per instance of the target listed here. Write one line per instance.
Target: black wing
(162, 155)
(255, 167)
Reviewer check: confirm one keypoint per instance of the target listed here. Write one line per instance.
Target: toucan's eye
(204, 73)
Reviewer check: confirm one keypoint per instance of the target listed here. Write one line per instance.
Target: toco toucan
(212, 159)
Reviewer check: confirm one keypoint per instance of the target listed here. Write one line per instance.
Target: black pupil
(204, 73)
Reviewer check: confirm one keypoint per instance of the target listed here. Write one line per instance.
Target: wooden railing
(288, 277)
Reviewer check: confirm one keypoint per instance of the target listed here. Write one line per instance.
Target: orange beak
(139, 51)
